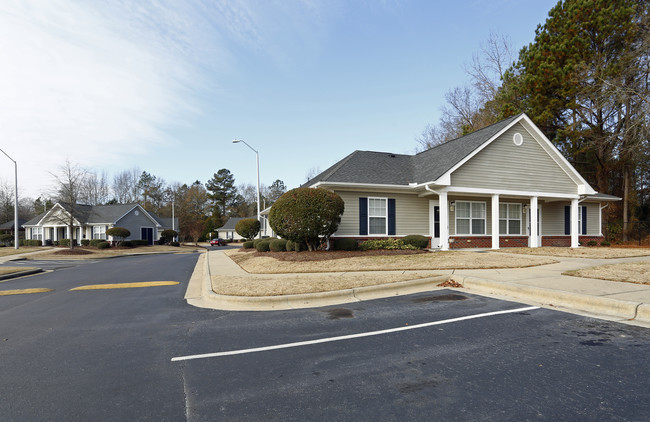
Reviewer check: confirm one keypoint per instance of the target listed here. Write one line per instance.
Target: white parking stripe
(350, 336)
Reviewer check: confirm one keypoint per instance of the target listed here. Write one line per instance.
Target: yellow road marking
(23, 291)
(126, 285)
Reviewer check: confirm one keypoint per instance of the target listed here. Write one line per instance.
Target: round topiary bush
(278, 245)
(119, 233)
(247, 228)
(85, 242)
(416, 240)
(263, 246)
(167, 235)
(248, 245)
(290, 245)
(103, 245)
(307, 215)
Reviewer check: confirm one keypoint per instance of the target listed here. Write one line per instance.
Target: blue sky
(166, 85)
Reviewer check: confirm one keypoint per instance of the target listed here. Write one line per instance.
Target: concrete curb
(20, 274)
(623, 309)
(212, 300)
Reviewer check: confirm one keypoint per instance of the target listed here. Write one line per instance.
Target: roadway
(135, 354)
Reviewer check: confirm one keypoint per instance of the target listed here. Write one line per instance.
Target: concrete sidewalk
(542, 286)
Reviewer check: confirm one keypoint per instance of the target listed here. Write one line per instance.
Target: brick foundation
(464, 242)
(565, 241)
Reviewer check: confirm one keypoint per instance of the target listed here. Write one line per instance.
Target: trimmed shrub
(389, 244)
(167, 236)
(118, 232)
(263, 246)
(307, 215)
(138, 242)
(95, 242)
(30, 242)
(248, 228)
(592, 243)
(103, 245)
(345, 244)
(299, 246)
(605, 243)
(127, 244)
(278, 245)
(85, 242)
(291, 245)
(6, 238)
(64, 242)
(256, 241)
(248, 245)
(176, 244)
(416, 240)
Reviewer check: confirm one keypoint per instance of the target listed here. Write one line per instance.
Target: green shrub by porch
(389, 244)
(416, 240)
(103, 245)
(345, 244)
(278, 245)
(263, 246)
(248, 245)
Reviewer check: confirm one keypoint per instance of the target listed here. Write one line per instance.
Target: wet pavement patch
(338, 313)
(439, 298)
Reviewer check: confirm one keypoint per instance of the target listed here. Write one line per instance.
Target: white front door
(434, 223)
(539, 225)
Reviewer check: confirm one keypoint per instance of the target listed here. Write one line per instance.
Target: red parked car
(217, 242)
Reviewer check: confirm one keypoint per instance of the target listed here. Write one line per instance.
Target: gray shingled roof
(9, 225)
(232, 222)
(397, 169)
(97, 214)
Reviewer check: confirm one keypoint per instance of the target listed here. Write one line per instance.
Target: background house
(92, 221)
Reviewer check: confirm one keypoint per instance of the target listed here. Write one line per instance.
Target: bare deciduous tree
(69, 189)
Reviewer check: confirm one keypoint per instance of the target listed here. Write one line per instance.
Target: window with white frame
(581, 211)
(470, 217)
(37, 233)
(510, 218)
(377, 216)
(99, 232)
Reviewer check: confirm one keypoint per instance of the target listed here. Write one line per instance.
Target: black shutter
(567, 220)
(363, 216)
(584, 220)
(391, 217)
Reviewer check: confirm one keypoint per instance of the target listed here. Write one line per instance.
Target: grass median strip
(126, 285)
(23, 291)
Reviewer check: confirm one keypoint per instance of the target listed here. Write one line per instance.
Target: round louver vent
(518, 139)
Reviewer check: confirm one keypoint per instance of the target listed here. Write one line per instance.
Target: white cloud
(90, 84)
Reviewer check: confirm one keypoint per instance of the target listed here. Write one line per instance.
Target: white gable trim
(547, 145)
(49, 214)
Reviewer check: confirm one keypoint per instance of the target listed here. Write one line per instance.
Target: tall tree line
(585, 81)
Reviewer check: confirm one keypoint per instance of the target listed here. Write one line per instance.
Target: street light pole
(257, 158)
(16, 200)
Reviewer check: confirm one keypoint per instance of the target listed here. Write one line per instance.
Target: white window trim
(580, 207)
(470, 219)
(39, 233)
(507, 219)
(101, 232)
(385, 233)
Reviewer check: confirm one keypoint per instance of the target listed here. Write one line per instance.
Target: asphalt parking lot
(443, 355)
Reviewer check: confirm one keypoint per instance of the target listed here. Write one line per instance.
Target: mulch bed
(75, 251)
(327, 255)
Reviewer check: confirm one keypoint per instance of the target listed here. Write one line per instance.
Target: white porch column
(444, 222)
(533, 223)
(495, 221)
(574, 223)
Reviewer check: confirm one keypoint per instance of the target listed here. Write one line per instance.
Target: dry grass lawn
(270, 285)
(93, 253)
(587, 252)
(6, 251)
(257, 263)
(631, 272)
(11, 270)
